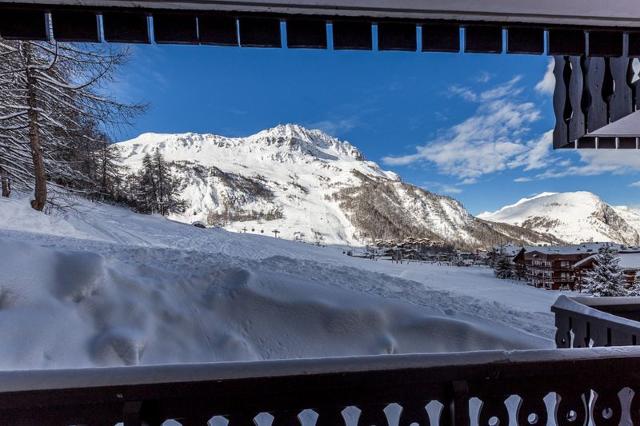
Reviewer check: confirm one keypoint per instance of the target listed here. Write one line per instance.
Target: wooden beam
(218, 29)
(397, 36)
(307, 33)
(260, 32)
(125, 27)
(22, 24)
(352, 35)
(440, 37)
(75, 25)
(177, 28)
(527, 40)
(483, 39)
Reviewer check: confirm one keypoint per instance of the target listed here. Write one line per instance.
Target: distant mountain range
(574, 217)
(303, 184)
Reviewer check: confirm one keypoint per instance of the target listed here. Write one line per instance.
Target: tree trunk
(6, 184)
(34, 139)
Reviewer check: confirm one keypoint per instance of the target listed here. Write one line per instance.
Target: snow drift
(132, 289)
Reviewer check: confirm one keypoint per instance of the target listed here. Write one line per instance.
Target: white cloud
(484, 77)
(595, 162)
(443, 188)
(496, 138)
(491, 140)
(451, 189)
(635, 184)
(508, 88)
(548, 82)
(335, 127)
(538, 154)
(463, 92)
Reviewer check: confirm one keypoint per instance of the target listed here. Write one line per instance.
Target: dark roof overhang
(593, 42)
(524, 23)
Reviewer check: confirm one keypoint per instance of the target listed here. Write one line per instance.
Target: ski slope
(99, 285)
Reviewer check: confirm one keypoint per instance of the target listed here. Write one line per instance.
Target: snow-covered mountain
(572, 216)
(303, 184)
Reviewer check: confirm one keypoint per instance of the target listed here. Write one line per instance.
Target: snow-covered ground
(100, 285)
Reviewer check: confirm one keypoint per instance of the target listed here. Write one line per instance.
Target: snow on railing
(566, 387)
(597, 321)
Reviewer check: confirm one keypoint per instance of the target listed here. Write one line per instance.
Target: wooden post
(459, 409)
(131, 413)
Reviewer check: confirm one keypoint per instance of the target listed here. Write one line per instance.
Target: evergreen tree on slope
(156, 190)
(502, 268)
(606, 278)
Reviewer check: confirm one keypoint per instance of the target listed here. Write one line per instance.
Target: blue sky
(469, 125)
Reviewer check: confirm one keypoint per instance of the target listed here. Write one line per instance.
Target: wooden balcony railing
(595, 386)
(484, 388)
(597, 321)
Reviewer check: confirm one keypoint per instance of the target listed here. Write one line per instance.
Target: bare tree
(5, 182)
(51, 94)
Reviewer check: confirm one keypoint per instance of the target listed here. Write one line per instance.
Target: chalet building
(552, 267)
(629, 262)
(416, 249)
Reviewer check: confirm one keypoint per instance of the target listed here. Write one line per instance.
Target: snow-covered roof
(510, 249)
(627, 260)
(571, 249)
(628, 126)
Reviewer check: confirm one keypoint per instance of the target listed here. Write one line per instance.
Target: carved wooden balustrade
(597, 321)
(593, 91)
(484, 388)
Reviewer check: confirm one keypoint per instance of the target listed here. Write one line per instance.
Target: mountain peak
(309, 141)
(578, 216)
(290, 130)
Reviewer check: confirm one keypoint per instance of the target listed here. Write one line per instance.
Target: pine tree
(110, 174)
(145, 190)
(155, 189)
(502, 268)
(520, 271)
(495, 254)
(606, 278)
(167, 187)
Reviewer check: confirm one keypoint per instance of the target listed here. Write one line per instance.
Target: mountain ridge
(303, 184)
(576, 217)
